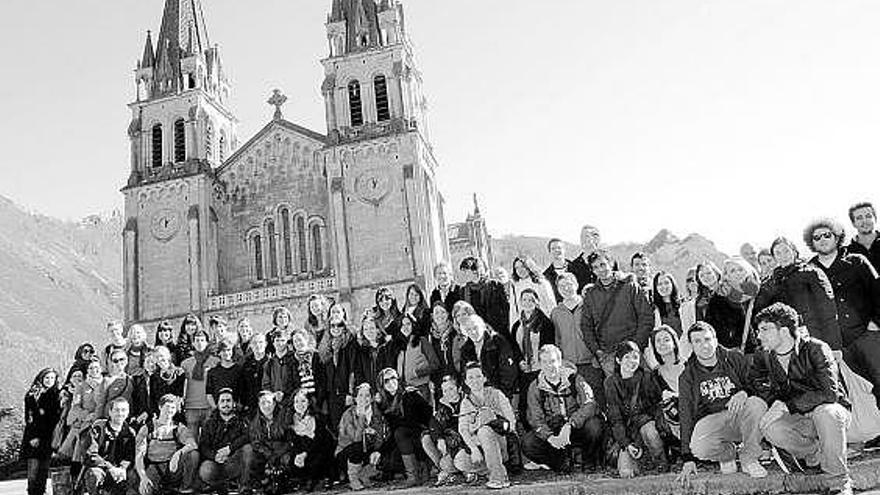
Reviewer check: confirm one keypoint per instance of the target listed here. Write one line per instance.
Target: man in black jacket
(110, 452)
(857, 294)
(558, 265)
(798, 374)
(489, 298)
(225, 447)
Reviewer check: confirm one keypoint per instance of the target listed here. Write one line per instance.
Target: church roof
(361, 19)
(149, 57)
(286, 124)
(183, 33)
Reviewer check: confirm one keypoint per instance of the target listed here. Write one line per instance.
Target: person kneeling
(225, 447)
(166, 454)
(269, 439)
(362, 431)
(808, 417)
(562, 412)
(716, 409)
(110, 452)
(442, 441)
(312, 443)
(633, 410)
(485, 420)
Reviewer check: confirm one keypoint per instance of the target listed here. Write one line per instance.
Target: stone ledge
(865, 475)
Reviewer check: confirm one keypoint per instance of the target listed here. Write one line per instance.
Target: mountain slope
(59, 284)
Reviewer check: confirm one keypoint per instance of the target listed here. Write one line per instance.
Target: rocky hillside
(59, 284)
(667, 251)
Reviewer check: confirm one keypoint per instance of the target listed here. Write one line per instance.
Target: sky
(739, 120)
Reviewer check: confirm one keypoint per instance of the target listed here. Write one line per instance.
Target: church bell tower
(387, 210)
(181, 129)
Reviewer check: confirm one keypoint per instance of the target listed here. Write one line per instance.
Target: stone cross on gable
(277, 100)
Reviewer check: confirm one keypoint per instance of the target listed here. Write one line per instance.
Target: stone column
(130, 262)
(337, 210)
(194, 258)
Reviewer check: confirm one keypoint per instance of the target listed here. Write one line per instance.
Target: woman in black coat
(42, 410)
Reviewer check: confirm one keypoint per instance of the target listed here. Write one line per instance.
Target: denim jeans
(195, 418)
(590, 438)
(237, 467)
(444, 462)
(819, 434)
(38, 474)
(494, 448)
(98, 479)
(650, 438)
(162, 476)
(714, 436)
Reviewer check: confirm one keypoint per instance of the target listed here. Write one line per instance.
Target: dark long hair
(37, 385)
(312, 318)
(535, 277)
(422, 305)
(675, 302)
(395, 309)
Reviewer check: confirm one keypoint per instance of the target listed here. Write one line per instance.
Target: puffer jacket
(352, 429)
(550, 408)
(807, 289)
(812, 378)
(631, 317)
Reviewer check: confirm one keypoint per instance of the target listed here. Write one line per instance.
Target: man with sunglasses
(857, 294)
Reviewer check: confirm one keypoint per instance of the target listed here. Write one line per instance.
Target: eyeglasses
(823, 235)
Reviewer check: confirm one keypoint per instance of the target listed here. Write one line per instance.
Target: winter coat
(278, 375)
(489, 299)
(352, 430)
(569, 337)
(269, 438)
(812, 378)
(856, 293)
(416, 363)
(630, 317)
(217, 433)
(549, 407)
(499, 360)
(807, 289)
(452, 296)
(632, 403)
(449, 353)
(40, 417)
(369, 361)
(120, 386)
(106, 448)
(542, 333)
(159, 386)
(546, 298)
(728, 318)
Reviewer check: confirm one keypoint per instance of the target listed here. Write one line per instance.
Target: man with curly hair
(857, 294)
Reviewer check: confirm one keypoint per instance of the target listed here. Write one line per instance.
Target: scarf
(304, 426)
(170, 375)
(364, 412)
(337, 343)
(529, 327)
(442, 337)
(198, 372)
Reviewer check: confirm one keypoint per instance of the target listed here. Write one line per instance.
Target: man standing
(808, 417)
(580, 266)
(558, 265)
(614, 310)
(226, 374)
(447, 291)
(857, 294)
(488, 298)
(641, 268)
(225, 447)
(562, 413)
(166, 455)
(866, 242)
(715, 409)
(110, 452)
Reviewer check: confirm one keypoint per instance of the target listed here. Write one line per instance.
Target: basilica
(220, 224)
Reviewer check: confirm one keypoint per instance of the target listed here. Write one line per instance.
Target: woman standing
(374, 352)
(84, 411)
(252, 374)
(387, 313)
(666, 301)
(167, 379)
(337, 352)
(416, 307)
(527, 275)
(245, 334)
(316, 322)
(165, 337)
(729, 311)
(447, 344)
(281, 323)
(416, 361)
(117, 341)
(188, 328)
(42, 410)
(532, 330)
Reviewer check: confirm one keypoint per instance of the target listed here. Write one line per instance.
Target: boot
(354, 476)
(411, 464)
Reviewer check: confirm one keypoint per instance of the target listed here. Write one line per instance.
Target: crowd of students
(581, 365)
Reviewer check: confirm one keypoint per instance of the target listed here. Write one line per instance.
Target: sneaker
(443, 478)
(497, 485)
(534, 466)
(470, 478)
(845, 490)
(787, 462)
(728, 467)
(754, 469)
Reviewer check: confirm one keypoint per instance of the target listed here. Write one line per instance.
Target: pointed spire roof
(149, 55)
(183, 29)
(336, 12)
(361, 23)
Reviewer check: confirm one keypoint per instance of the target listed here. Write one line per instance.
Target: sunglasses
(119, 360)
(88, 351)
(823, 235)
(390, 378)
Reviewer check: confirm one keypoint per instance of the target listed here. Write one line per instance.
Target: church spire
(149, 56)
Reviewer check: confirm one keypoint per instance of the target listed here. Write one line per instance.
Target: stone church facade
(217, 226)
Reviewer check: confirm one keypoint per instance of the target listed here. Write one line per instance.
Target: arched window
(301, 243)
(257, 241)
(209, 141)
(179, 140)
(272, 251)
(156, 159)
(286, 246)
(317, 248)
(354, 103)
(383, 112)
(222, 146)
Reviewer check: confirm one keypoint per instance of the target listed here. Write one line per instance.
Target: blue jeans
(818, 435)
(38, 473)
(714, 436)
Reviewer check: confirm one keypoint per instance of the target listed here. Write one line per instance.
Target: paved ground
(866, 478)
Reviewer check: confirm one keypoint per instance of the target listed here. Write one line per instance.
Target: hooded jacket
(704, 391)
(630, 318)
(550, 407)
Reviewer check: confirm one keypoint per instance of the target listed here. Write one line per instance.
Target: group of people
(769, 354)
